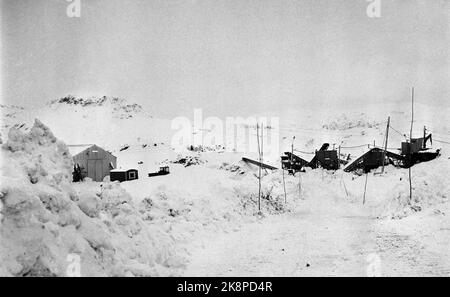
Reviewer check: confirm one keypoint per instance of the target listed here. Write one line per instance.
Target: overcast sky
(226, 56)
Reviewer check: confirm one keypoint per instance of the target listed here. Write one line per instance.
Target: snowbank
(430, 189)
(387, 195)
(45, 221)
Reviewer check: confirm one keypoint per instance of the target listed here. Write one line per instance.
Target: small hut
(124, 174)
(94, 162)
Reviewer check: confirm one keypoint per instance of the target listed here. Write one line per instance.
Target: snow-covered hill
(107, 121)
(118, 107)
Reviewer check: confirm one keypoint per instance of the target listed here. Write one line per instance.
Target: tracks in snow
(313, 243)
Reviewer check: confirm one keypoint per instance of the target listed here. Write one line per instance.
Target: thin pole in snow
(284, 186)
(292, 152)
(339, 157)
(259, 175)
(343, 183)
(412, 114)
(262, 142)
(386, 143)
(292, 165)
(424, 137)
(365, 188)
(193, 134)
(410, 145)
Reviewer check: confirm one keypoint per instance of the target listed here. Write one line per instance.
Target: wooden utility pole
(424, 146)
(259, 174)
(339, 157)
(412, 114)
(292, 145)
(292, 152)
(365, 188)
(262, 143)
(284, 185)
(193, 136)
(385, 143)
(299, 185)
(410, 145)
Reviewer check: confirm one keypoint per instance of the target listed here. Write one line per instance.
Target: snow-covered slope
(106, 121)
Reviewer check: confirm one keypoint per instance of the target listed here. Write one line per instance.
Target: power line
(442, 141)
(389, 148)
(311, 153)
(356, 146)
(395, 130)
(442, 134)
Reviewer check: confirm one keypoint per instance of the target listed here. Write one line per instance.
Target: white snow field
(203, 219)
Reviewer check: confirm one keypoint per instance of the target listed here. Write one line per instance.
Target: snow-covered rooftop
(122, 169)
(75, 149)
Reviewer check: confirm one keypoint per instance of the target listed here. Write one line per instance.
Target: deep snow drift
(45, 218)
